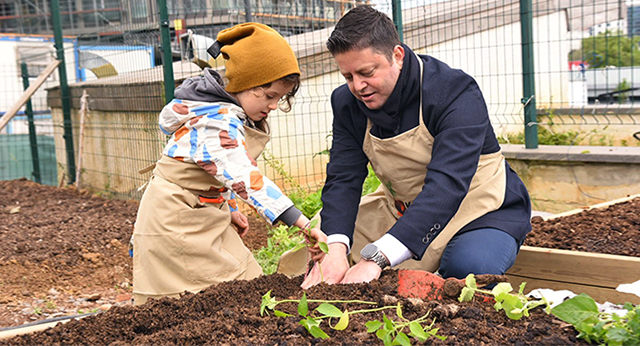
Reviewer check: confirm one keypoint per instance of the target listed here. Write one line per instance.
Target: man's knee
(461, 267)
(486, 251)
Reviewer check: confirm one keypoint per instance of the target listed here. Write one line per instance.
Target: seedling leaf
(267, 302)
(503, 287)
(399, 311)
(402, 339)
(343, 322)
(298, 246)
(466, 294)
(318, 333)
(329, 310)
(470, 281)
(303, 308)
(324, 247)
(279, 313)
(417, 331)
(372, 326)
(577, 310)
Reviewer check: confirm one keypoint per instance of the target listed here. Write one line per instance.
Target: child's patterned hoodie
(206, 125)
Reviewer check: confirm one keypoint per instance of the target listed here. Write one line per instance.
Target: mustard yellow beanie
(255, 55)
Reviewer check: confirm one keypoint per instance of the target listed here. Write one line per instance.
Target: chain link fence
(582, 66)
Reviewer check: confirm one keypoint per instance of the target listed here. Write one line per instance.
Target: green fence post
(396, 9)
(528, 76)
(33, 140)
(167, 58)
(64, 90)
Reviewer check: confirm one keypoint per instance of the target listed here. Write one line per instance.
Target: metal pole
(528, 76)
(64, 90)
(247, 11)
(167, 58)
(396, 9)
(33, 140)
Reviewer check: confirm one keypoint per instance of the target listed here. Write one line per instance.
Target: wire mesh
(585, 53)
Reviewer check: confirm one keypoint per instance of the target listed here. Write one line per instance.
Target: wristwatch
(371, 253)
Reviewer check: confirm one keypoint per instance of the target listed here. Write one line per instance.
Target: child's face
(258, 102)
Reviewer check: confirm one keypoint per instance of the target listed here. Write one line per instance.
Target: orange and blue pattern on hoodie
(212, 136)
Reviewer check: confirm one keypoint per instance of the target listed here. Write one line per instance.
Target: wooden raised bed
(597, 275)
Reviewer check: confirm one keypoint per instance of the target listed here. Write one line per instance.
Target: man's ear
(398, 55)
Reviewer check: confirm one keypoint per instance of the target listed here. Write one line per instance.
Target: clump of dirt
(613, 230)
(229, 314)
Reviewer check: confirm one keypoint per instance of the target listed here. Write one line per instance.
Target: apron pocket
(212, 249)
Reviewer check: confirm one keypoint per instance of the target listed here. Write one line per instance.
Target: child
(184, 237)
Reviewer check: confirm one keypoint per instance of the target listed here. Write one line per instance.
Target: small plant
(308, 242)
(515, 305)
(392, 332)
(281, 239)
(278, 166)
(50, 305)
(389, 331)
(603, 328)
(37, 310)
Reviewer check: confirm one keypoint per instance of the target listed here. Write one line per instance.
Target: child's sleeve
(224, 155)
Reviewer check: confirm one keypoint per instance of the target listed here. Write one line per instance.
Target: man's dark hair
(364, 27)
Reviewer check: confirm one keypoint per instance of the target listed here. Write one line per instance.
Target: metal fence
(553, 72)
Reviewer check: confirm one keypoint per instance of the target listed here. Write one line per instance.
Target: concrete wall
(562, 178)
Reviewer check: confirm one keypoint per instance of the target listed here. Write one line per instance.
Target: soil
(65, 252)
(613, 230)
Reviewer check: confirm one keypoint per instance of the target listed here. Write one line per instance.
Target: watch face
(368, 251)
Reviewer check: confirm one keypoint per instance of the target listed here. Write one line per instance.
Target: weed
(50, 305)
(281, 239)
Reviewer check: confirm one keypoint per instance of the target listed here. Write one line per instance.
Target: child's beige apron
(400, 163)
(183, 237)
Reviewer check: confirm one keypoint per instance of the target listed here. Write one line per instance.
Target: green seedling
(389, 331)
(515, 305)
(599, 327)
(309, 242)
(392, 332)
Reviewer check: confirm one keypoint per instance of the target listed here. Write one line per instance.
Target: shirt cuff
(339, 238)
(393, 249)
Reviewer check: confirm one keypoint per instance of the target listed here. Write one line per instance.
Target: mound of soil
(66, 253)
(613, 230)
(229, 314)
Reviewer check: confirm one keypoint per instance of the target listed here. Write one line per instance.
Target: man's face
(371, 77)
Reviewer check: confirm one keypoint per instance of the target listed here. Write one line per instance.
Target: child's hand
(240, 222)
(314, 236)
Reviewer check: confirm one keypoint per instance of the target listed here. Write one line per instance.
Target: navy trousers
(480, 251)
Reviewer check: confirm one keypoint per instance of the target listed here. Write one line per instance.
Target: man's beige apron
(183, 242)
(400, 163)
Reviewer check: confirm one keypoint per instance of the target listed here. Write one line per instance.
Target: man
(448, 200)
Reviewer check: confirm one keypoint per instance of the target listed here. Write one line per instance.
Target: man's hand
(241, 222)
(334, 265)
(363, 271)
(315, 236)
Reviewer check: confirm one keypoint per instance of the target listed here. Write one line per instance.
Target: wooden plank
(599, 294)
(583, 268)
(28, 93)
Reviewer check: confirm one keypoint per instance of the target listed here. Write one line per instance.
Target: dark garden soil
(66, 253)
(613, 230)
